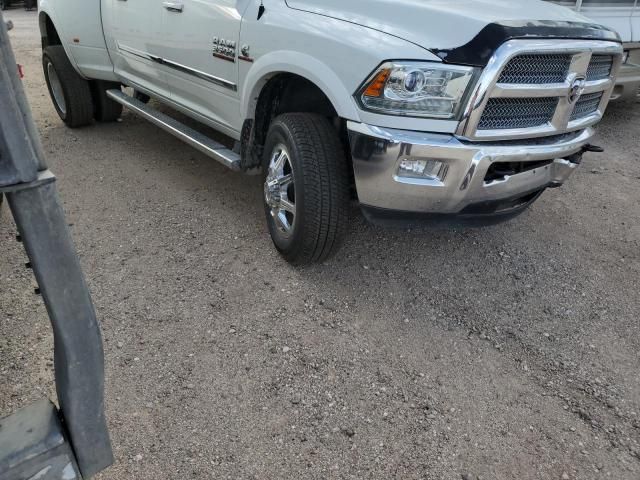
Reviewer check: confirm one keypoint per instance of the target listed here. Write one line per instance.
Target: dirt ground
(509, 352)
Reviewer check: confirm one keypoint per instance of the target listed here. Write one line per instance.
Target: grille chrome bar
(587, 64)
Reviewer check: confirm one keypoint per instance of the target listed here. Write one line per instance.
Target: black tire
(77, 108)
(320, 187)
(105, 109)
(4, 4)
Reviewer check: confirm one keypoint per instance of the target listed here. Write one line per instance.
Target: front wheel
(306, 187)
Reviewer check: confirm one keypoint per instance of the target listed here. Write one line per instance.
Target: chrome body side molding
(178, 66)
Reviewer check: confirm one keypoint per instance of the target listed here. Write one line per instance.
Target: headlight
(416, 89)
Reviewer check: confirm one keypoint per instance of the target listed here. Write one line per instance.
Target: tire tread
(76, 89)
(325, 186)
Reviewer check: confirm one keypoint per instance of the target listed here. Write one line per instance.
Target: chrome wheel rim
(56, 88)
(279, 190)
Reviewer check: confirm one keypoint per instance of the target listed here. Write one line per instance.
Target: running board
(201, 142)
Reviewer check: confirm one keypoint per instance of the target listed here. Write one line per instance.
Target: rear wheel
(69, 92)
(105, 109)
(4, 4)
(306, 190)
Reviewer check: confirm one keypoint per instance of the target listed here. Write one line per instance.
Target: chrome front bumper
(377, 153)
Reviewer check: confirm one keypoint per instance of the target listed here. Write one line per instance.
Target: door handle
(173, 6)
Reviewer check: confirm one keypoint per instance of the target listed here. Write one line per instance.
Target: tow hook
(577, 157)
(592, 148)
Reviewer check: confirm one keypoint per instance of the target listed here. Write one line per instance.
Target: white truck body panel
(314, 47)
(288, 39)
(79, 24)
(133, 30)
(149, 28)
(451, 23)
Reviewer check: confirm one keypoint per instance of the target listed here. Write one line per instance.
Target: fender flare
(45, 10)
(306, 66)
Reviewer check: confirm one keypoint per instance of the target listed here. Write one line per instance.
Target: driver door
(201, 56)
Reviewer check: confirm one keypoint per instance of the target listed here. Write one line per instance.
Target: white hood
(437, 24)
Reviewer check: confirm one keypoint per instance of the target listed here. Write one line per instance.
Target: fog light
(427, 169)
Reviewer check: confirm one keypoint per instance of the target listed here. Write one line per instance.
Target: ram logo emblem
(577, 89)
(224, 49)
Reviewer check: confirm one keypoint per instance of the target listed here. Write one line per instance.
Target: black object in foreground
(40, 441)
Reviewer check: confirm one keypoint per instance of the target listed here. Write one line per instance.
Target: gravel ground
(509, 352)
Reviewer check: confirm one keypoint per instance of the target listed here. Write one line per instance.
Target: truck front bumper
(477, 179)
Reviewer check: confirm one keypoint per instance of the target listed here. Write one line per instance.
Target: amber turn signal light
(376, 87)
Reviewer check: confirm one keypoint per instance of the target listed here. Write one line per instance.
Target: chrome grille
(507, 113)
(600, 67)
(536, 69)
(538, 88)
(587, 105)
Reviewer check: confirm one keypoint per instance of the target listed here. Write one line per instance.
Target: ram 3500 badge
(461, 108)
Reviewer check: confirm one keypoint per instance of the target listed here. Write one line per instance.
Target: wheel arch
(48, 31)
(300, 65)
(288, 86)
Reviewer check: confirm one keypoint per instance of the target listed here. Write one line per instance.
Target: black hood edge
(479, 51)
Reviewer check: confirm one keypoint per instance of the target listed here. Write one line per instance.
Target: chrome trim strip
(508, 90)
(487, 87)
(225, 57)
(202, 75)
(178, 66)
(139, 53)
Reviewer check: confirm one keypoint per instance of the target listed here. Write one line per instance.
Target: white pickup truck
(463, 109)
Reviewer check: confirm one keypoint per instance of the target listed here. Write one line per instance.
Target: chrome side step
(201, 142)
